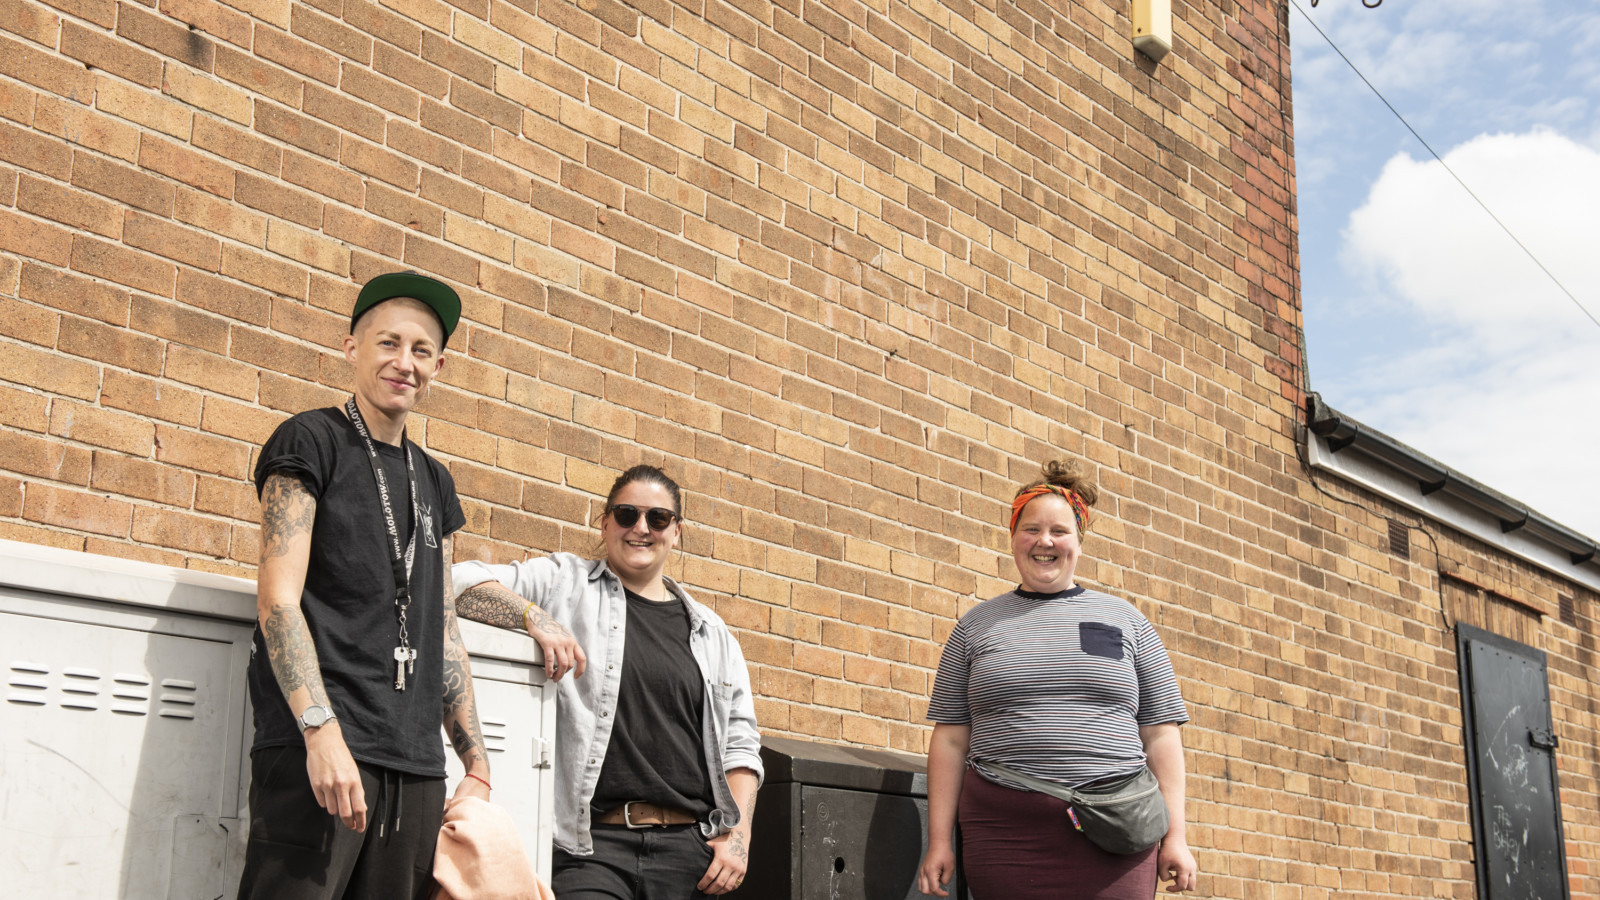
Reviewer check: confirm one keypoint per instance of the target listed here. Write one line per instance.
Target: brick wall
(849, 269)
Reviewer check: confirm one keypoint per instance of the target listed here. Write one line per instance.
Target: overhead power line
(1503, 227)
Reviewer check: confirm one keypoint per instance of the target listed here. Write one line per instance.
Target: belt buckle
(627, 817)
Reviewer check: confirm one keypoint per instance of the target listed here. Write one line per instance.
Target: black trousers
(656, 863)
(298, 851)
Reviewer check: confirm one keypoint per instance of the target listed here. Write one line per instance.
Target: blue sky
(1423, 319)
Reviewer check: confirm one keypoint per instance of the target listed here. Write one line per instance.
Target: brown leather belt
(639, 814)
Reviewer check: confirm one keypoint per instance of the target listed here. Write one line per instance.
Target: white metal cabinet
(125, 727)
(517, 708)
(121, 749)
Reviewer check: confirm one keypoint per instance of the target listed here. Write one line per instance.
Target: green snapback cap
(438, 296)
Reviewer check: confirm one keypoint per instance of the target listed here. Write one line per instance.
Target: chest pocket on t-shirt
(1100, 639)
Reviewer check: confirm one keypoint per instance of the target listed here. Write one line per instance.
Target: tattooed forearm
(492, 604)
(287, 512)
(543, 621)
(461, 713)
(742, 782)
(457, 676)
(293, 656)
(460, 706)
(469, 746)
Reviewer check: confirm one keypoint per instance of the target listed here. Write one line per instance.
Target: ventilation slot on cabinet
(81, 681)
(177, 699)
(80, 689)
(29, 683)
(130, 695)
(494, 735)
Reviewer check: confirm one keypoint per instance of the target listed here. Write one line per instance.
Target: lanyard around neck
(400, 560)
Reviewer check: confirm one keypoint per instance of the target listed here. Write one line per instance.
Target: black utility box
(838, 823)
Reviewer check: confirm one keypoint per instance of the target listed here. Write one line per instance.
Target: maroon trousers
(1020, 845)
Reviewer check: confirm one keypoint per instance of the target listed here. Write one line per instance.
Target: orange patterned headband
(1080, 510)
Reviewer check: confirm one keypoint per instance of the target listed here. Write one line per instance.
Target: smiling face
(637, 554)
(1046, 544)
(396, 352)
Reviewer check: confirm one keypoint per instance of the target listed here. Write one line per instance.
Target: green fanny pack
(1125, 816)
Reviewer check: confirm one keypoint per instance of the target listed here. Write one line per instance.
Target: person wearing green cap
(357, 640)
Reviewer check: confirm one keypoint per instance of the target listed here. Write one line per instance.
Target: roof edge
(1358, 453)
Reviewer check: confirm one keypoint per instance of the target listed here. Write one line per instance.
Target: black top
(656, 754)
(348, 599)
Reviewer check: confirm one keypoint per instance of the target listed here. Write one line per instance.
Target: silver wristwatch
(315, 716)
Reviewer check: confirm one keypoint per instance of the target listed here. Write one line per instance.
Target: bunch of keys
(405, 660)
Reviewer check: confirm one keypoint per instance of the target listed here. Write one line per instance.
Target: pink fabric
(480, 856)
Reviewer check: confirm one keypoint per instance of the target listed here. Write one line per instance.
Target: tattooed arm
(494, 604)
(730, 851)
(460, 706)
(287, 511)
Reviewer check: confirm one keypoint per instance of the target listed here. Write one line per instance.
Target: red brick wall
(850, 269)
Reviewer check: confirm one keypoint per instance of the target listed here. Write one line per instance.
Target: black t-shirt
(656, 754)
(348, 599)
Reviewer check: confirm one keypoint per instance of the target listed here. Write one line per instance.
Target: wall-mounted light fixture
(1152, 27)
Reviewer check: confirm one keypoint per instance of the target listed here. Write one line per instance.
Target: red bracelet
(485, 782)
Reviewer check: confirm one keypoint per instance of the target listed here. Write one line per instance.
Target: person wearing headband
(657, 755)
(1056, 683)
(357, 640)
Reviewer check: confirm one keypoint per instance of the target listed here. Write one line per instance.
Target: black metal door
(859, 845)
(1511, 769)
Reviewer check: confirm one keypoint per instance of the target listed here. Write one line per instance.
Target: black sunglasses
(626, 515)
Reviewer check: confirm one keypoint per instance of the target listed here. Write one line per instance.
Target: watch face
(313, 717)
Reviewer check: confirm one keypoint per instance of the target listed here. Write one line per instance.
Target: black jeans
(298, 851)
(656, 863)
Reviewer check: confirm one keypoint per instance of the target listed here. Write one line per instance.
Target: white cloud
(1504, 383)
(1524, 425)
(1452, 69)
(1422, 238)
(1430, 324)
(1416, 62)
(1583, 29)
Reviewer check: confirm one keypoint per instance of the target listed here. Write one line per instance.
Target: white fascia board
(1445, 507)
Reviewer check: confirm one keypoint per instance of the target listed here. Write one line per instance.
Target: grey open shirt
(586, 596)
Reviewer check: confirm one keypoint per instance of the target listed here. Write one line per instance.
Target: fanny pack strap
(1129, 817)
(1054, 789)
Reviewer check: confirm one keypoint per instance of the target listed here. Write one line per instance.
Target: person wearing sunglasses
(657, 754)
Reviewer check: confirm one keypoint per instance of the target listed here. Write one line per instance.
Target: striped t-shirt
(1056, 685)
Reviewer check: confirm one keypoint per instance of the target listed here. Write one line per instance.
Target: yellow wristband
(525, 611)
